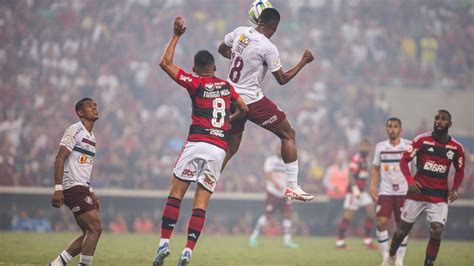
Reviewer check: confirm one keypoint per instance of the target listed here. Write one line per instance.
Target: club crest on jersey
(89, 200)
(450, 155)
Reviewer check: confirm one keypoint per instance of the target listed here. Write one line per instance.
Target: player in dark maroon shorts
(428, 190)
(251, 54)
(390, 195)
(274, 170)
(72, 173)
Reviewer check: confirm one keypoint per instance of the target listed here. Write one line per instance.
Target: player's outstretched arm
(242, 109)
(283, 77)
(225, 50)
(166, 62)
(58, 197)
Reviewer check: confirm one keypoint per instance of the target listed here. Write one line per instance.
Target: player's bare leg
(73, 249)
(196, 223)
(91, 220)
(369, 226)
(382, 235)
(169, 218)
(403, 230)
(289, 154)
(342, 228)
(436, 230)
(232, 147)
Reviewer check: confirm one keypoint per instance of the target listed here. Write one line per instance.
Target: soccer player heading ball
(251, 53)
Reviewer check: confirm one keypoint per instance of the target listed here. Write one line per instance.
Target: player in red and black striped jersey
(428, 190)
(202, 156)
(358, 197)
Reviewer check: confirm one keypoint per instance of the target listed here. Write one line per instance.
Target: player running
(72, 177)
(393, 186)
(274, 170)
(357, 197)
(202, 156)
(428, 190)
(251, 54)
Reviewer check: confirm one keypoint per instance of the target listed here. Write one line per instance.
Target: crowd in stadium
(55, 52)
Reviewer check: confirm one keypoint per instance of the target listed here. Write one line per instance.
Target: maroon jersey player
(428, 190)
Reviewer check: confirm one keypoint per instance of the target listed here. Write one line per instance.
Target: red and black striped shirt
(211, 98)
(433, 161)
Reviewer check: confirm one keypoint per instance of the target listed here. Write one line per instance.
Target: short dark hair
(396, 119)
(81, 102)
(203, 58)
(446, 112)
(269, 15)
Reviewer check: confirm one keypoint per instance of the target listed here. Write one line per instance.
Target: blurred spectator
(118, 224)
(40, 223)
(21, 222)
(143, 223)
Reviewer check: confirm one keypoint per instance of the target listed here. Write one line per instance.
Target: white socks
(163, 241)
(403, 248)
(261, 222)
(85, 260)
(291, 170)
(382, 237)
(287, 230)
(62, 259)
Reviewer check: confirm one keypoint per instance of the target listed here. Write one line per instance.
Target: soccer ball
(256, 9)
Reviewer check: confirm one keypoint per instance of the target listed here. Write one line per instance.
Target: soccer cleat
(291, 244)
(297, 193)
(162, 252)
(253, 242)
(341, 244)
(184, 259)
(387, 261)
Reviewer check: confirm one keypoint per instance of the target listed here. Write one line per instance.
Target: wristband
(58, 187)
(91, 190)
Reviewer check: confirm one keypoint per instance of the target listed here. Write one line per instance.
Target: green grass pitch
(136, 249)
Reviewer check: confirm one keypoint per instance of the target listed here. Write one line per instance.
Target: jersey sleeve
(233, 94)
(70, 138)
(459, 162)
(272, 58)
(376, 160)
(408, 155)
(187, 81)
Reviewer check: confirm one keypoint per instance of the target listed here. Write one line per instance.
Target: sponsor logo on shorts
(211, 183)
(76, 209)
(433, 167)
(89, 200)
(269, 121)
(188, 173)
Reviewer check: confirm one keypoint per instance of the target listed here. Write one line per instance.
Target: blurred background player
(274, 170)
(357, 197)
(393, 187)
(251, 53)
(428, 190)
(202, 156)
(72, 177)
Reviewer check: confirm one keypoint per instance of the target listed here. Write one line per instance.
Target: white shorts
(352, 202)
(435, 212)
(200, 162)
